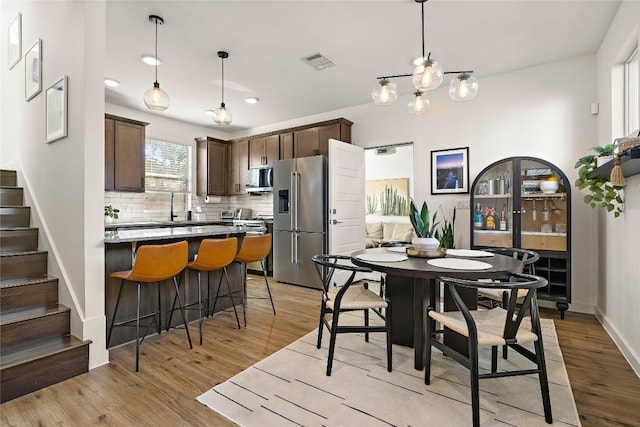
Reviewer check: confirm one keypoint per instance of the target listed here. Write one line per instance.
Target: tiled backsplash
(131, 206)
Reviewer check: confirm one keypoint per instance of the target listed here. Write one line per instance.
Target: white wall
(618, 290)
(63, 180)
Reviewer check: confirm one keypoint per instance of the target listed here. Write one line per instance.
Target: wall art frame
(450, 171)
(14, 41)
(56, 110)
(33, 70)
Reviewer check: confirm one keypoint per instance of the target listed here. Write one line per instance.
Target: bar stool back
(214, 254)
(153, 263)
(254, 248)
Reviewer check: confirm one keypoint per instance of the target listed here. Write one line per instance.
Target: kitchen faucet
(171, 215)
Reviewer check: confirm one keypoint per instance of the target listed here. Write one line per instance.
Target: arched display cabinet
(525, 202)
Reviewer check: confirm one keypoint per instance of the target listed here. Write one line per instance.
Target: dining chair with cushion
(254, 249)
(500, 326)
(153, 264)
(342, 293)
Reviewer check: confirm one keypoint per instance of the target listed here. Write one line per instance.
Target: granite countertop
(175, 232)
(163, 224)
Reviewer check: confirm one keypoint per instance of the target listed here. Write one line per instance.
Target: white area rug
(290, 388)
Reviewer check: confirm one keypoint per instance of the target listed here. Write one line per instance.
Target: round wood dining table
(411, 287)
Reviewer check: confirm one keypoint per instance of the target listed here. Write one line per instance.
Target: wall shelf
(630, 166)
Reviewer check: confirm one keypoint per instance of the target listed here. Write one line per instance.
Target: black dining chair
(342, 293)
(500, 326)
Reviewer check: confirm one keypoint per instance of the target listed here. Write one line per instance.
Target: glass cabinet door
(543, 211)
(494, 207)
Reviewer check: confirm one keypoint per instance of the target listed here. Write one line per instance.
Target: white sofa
(381, 232)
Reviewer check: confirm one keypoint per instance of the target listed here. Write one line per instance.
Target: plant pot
(602, 160)
(108, 219)
(425, 243)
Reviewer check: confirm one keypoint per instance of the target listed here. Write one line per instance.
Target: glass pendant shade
(222, 116)
(384, 93)
(428, 76)
(463, 88)
(418, 104)
(156, 99)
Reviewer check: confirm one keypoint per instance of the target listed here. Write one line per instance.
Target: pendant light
(428, 75)
(155, 98)
(222, 116)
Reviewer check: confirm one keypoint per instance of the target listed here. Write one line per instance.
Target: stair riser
(11, 196)
(18, 240)
(20, 334)
(30, 295)
(29, 377)
(8, 178)
(15, 217)
(27, 265)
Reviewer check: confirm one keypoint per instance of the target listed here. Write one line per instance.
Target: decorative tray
(437, 253)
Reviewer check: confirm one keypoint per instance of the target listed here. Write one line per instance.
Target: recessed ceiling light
(150, 60)
(111, 82)
(252, 100)
(209, 112)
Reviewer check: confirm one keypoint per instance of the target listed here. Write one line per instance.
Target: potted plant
(424, 227)
(110, 214)
(446, 233)
(599, 188)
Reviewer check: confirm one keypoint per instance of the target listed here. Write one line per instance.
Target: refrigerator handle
(296, 200)
(292, 202)
(293, 248)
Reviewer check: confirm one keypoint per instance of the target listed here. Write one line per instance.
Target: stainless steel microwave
(260, 180)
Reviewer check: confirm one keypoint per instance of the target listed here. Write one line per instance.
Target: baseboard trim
(632, 358)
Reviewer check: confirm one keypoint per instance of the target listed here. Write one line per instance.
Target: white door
(346, 198)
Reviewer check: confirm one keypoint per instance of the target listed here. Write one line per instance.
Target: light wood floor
(171, 376)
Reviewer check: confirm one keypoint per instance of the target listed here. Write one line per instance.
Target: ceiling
(267, 40)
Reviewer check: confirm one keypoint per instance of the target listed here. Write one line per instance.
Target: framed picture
(33, 70)
(450, 171)
(388, 197)
(14, 41)
(56, 115)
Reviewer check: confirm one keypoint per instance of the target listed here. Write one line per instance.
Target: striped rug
(289, 388)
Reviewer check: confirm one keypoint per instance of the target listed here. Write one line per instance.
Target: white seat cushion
(496, 294)
(490, 325)
(356, 297)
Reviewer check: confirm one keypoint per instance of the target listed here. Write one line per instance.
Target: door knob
(335, 221)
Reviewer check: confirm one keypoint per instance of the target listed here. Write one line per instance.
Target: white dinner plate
(469, 253)
(459, 264)
(382, 257)
(399, 249)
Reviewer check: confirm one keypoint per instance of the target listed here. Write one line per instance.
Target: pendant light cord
(422, 7)
(156, 20)
(222, 80)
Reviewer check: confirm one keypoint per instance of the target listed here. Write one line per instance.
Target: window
(167, 170)
(631, 89)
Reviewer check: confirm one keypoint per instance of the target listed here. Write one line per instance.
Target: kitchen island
(120, 250)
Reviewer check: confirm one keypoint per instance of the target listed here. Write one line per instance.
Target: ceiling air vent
(385, 150)
(319, 61)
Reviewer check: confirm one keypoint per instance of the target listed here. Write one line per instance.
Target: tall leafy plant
(446, 232)
(422, 224)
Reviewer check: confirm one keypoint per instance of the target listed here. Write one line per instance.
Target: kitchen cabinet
(124, 154)
(238, 166)
(525, 202)
(264, 150)
(211, 167)
(315, 140)
(286, 145)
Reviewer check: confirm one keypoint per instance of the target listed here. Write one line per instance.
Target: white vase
(425, 243)
(108, 219)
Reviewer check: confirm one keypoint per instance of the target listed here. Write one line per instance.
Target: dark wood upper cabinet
(211, 167)
(238, 166)
(286, 145)
(264, 150)
(124, 154)
(315, 140)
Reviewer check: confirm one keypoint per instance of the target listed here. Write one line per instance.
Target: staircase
(36, 347)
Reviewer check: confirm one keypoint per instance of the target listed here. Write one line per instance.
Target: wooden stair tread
(21, 315)
(23, 281)
(18, 253)
(40, 349)
(17, 228)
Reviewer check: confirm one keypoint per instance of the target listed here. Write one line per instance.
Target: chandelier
(428, 75)
(155, 98)
(222, 116)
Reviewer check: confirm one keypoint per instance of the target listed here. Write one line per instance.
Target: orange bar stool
(153, 263)
(214, 254)
(254, 248)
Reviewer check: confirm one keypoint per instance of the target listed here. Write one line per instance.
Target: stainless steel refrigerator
(300, 215)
